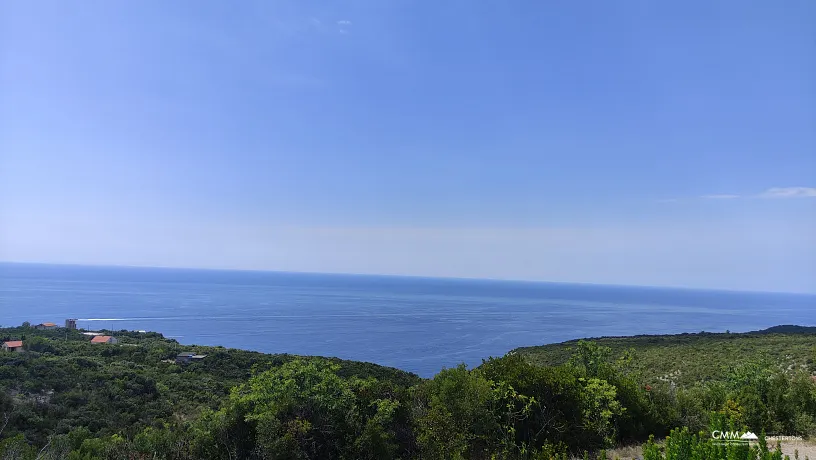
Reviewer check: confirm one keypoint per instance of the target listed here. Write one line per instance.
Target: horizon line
(393, 275)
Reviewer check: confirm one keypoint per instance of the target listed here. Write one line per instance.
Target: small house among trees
(46, 326)
(104, 339)
(14, 345)
(187, 357)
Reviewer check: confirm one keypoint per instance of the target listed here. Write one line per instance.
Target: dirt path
(806, 449)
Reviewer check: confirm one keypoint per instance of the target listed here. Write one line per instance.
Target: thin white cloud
(343, 26)
(773, 192)
(789, 192)
(720, 197)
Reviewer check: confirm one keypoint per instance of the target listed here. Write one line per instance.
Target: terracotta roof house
(46, 326)
(104, 339)
(14, 345)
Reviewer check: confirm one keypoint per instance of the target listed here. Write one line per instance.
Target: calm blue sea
(416, 324)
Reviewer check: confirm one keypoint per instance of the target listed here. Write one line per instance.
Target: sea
(417, 324)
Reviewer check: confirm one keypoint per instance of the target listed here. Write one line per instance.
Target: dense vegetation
(67, 398)
(688, 359)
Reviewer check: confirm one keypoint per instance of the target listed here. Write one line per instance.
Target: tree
(553, 395)
(592, 358)
(600, 408)
(454, 416)
(303, 409)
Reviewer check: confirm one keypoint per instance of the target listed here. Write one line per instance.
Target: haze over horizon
(612, 143)
(15, 264)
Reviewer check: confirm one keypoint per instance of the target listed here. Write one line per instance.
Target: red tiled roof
(14, 344)
(49, 324)
(100, 339)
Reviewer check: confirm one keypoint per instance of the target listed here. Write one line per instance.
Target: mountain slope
(689, 358)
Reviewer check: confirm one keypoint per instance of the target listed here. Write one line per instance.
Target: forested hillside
(63, 397)
(63, 381)
(688, 359)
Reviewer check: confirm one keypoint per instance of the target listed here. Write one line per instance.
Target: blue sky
(632, 142)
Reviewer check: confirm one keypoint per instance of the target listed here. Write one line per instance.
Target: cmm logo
(734, 436)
